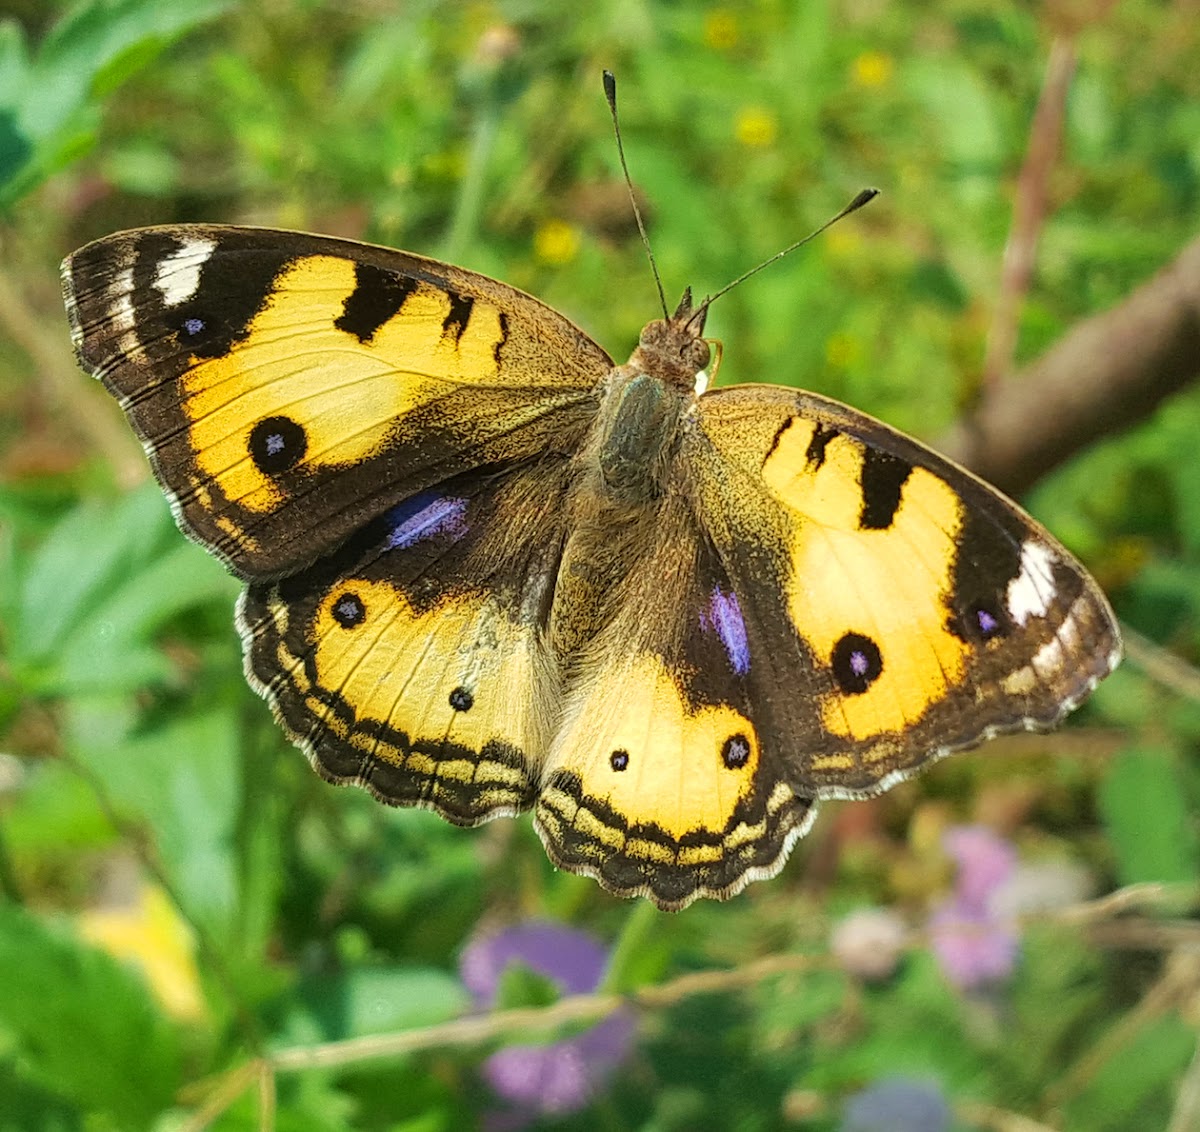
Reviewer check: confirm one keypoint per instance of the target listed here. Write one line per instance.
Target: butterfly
(490, 570)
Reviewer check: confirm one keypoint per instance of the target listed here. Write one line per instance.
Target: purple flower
(972, 942)
(897, 1104)
(972, 949)
(560, 1076)
(985, 861)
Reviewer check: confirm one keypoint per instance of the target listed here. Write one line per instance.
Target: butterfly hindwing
(660, 780)
(911, 609)
(412, 661)
(289, 388)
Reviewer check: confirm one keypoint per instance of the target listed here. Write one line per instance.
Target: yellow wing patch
(446, 698)
(891, 584)
(346, 394)
(635, 745)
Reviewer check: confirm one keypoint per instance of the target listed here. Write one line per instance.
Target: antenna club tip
(610, 85)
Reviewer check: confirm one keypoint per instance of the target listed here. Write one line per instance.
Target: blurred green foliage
(149, 808)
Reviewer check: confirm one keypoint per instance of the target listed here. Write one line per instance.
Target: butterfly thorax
(638, 423)
(626, 473)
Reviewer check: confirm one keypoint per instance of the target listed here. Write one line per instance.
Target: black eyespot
(461, 699)
(856, 663)
(349, 611)
(619, 760)
(735, 754)
(276, 444)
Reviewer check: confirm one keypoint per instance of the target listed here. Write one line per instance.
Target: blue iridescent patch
(724, 617)
(424, 516)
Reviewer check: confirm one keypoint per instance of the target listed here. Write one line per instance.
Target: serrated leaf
(86, 1027)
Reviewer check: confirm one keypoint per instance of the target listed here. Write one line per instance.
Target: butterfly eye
(277, 444)
(857, 663)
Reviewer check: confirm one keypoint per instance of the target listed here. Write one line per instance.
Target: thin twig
(1186, 1116)
(266, 1098)
(485, 1028)
(227, 1090)
(1029, 210)
(1149, 895)
(1161, 665)
(1180, 980)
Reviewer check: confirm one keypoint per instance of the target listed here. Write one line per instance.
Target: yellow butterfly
(489, 569)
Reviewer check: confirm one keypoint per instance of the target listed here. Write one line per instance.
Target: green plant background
(146, 797)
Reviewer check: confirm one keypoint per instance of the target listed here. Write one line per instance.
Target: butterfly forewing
(290, 388)
(914, 609)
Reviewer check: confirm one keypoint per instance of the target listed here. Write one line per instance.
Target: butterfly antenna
(864, 197)
(610, 92)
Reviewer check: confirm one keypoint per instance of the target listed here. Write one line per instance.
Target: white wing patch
(178, 275)
(123, 317)
(1032, 590)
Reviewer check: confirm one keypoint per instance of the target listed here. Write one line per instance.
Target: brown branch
(1108, 373)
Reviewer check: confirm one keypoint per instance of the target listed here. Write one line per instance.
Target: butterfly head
(675, 349)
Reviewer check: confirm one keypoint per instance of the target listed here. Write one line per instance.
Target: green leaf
(94, 48)
(182, 782)
(84, 1026)
(1146, 812)
(376, 1000)
(957, 100)
(1136, 1088)
(523, 986)
(99, 588)
(15, 147)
